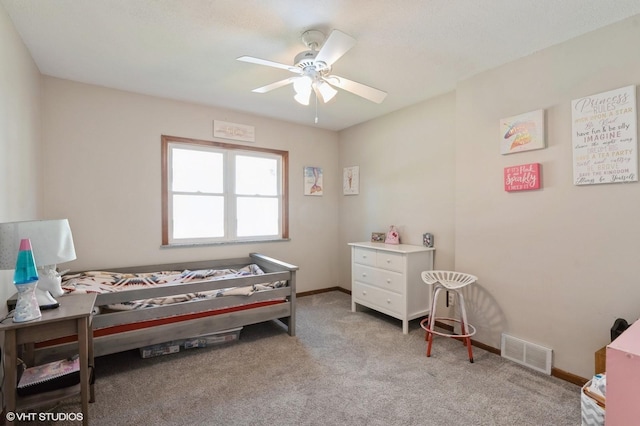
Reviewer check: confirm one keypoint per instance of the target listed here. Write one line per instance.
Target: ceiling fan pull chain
(316, 96)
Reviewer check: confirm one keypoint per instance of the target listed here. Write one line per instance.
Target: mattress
(107, 282)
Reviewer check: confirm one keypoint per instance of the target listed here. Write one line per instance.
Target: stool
(453, 282)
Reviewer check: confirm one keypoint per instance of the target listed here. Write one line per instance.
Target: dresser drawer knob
(388, 260)
(388, 280)
(364, 274)
(389, 301)
(364, 293)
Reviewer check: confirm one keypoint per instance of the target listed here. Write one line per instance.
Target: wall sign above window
(234, 131)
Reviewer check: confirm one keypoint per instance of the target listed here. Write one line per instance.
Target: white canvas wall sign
(523, 132)
(234, 131)
(605, 137)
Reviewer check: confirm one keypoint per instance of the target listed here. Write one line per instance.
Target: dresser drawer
(390, 261)
(377, 297)
(364, 256)
(365, 274)
(389, 280)
(386, 280)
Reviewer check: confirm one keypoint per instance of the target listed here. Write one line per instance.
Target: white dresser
(387, 278)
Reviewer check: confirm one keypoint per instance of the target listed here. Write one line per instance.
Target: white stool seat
(449, 281)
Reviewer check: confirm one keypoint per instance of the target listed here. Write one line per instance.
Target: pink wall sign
(522, 178)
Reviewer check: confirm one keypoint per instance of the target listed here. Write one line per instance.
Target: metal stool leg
(463, 324)
(432, 319)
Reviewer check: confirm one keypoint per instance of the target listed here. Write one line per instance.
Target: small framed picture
(313, 181)
(378, 237)
(351, 180)
(427, 239)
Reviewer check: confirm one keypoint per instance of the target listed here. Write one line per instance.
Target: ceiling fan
(313, 69)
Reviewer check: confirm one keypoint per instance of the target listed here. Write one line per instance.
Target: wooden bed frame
(231, 313)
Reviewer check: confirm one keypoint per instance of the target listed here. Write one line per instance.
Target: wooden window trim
(166, 140)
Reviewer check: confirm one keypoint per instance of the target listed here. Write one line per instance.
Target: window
(216, 192)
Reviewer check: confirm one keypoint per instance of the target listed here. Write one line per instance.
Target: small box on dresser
(387, 278)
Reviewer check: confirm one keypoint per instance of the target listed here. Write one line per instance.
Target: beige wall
(556, 266)
(20, 166)
(103, 173)
(407, 179)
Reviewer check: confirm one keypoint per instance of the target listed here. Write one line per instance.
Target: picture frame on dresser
(378, 237)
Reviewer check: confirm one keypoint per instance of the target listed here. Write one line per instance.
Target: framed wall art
(524, 132)
(524, 177)
(605, 137)
(312, 181)
(351, 180)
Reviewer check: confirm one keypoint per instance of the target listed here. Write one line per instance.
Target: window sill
(222, 243)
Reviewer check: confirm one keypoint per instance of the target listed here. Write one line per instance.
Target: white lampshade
(302, 87)
(326, 91)
(51, 242)
(302, 98)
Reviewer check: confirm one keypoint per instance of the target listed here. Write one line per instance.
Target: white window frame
(229, 151)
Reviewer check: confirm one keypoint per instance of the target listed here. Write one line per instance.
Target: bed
(152, 310)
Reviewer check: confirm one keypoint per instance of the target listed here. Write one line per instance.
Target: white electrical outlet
(452, 298)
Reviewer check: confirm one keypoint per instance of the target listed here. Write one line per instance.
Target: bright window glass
(256, 175)
(196, 216)
(257, 216)
(197, 171)
(217, 193)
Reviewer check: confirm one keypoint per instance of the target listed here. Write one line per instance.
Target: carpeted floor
(342, 368)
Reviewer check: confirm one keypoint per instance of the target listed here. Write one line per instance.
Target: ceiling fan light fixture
(303, 98)
(326, 91)
(313, 68)
(302, 87)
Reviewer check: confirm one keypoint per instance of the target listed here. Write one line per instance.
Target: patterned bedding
(108, 282)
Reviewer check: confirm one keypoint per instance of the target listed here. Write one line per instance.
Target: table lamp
(51, 244)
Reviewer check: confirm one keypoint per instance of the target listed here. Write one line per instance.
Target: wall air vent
(526, 353)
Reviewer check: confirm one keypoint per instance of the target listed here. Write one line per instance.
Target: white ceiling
(187, 49)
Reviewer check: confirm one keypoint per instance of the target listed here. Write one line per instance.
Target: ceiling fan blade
(268, 63)
(336, 45)
(362, 90)
(277, 84)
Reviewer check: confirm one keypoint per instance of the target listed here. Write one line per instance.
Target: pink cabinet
(623, 378)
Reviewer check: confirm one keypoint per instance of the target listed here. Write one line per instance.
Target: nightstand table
(72, 318)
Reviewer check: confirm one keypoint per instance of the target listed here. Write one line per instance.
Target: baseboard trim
(555, 372)
(568, 377)
(322, 290)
